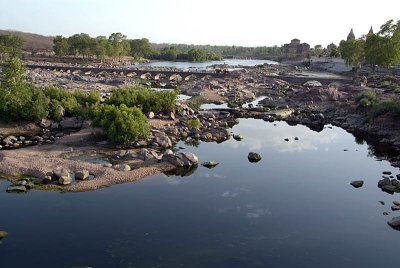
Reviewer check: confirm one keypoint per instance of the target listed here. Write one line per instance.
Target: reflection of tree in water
(193, 142)
(181, 171)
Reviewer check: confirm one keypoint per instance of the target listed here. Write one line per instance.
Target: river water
(294, 208)
(204, 65)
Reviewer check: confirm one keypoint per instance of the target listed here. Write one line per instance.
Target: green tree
(10, 46)
(61, 46)
(141, 48)
(352, 51)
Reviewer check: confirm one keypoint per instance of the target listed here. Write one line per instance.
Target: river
(294, 208)
(204, 65)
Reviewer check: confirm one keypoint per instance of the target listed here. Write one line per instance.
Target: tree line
(374, 49)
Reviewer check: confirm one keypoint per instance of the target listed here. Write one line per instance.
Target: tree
(383, 48)
(120, 46)
(10, 46)
(141, 48)
(61, 46)
(352, 51)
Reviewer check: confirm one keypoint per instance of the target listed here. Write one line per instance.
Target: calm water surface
(206, 64)
(294, 208)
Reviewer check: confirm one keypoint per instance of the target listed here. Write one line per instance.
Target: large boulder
(175, 160)
(193, 159)
(163, 141)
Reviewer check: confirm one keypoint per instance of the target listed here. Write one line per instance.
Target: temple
(296, 50)
(351, 35)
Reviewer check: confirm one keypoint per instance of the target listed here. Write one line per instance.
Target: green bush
(20, 100)
(122, 124)
(194, 123)
(366, 98)
(385, 106)
(148, 100)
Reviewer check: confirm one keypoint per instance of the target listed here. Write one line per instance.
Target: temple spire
(351, 35)
(371, 31)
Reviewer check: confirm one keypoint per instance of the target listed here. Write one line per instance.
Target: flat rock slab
(357, 184)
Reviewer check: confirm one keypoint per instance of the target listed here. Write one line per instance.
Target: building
(351, 35)
(296, 50)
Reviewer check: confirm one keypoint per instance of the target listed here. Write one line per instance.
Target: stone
(398, 176)
(296, 138)
(254, 157)
(174, 160)
(62, 175)
(168, 152)
(238, 137)
(122, 167)
(394, 208)
(357, 184)
(394, 223)
(286, 139)
(163, 141)
(386, 173)
(384, 182)
(47, 179)
(82, 174)
(65, 180)
(10, 140)
(16, 189)
(312, 83)
(107, 165)
(71, 122)
(397, 203)
(45, 123)
(150, 115)
(193, 159)
(390, 189)
(210, 164)
(172, 116)
(3, 234)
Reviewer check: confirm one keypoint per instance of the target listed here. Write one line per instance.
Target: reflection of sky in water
(257, 135)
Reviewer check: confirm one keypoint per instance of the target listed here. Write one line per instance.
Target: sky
(202, 22)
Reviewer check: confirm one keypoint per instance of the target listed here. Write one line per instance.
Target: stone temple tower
(351, 35)
(371, 31)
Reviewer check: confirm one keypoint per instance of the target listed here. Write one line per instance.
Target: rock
(296, 138)
(72, 122)
(150, 115)
(47, 179)
(193, 159)
(357, 184)
(3, 234)
(254, 157)
(82, 174)
(172, 116)
(210, 164)
(238, 137)
(286, 139)
(386, 213)
(312, 83)
(386, 173)
(397, 203)
(384, 182)
(10, 140)
(168, 152)
(394, 208)
(175, 160)
(16, 189)
(107, 165)
(398, 176)
(390, 189)
(394, 223)
(122, 167)
(45, 123)
(163, 141)
(62, 175)
(382, 203)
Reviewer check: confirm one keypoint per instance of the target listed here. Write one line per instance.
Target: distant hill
(33, 42)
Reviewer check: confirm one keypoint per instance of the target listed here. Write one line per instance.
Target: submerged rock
(16, 189)
(210, 164)
(3, 234)
(394, 223)
(238, 137)
(254, 157)
(357, 184)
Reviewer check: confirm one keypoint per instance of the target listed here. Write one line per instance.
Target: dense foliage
(148, 100)
(366, 98)
(10, 46)
(122, 124)
(380, 49)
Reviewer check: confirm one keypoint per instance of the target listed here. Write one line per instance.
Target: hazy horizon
(251, 23)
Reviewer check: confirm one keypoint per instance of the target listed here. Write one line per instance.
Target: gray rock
(107, 165)
(312, 83)
(210, 164)
(72, 122)
(254, 157)
(168, 152)
(65, 180)
(150, 115)
(384, 182)
(193, 159)
(394, 207)
(16, 189)
(397, 203)
(386, 173)
(122, 167)
(357, 184)
(10, 140)
(394, 222)
(45, 123)
(3, 234)
(163, 141)
(390, 189)
(82, 174)
(172, 116)
(62, 175)
(175, 160)
(238, 137)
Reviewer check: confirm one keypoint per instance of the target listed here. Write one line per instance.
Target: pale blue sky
(223, 22)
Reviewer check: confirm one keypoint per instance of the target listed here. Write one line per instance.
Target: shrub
(148, 100)
(366, 98)
(194, 123)
(122, 124)
(385, 106)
